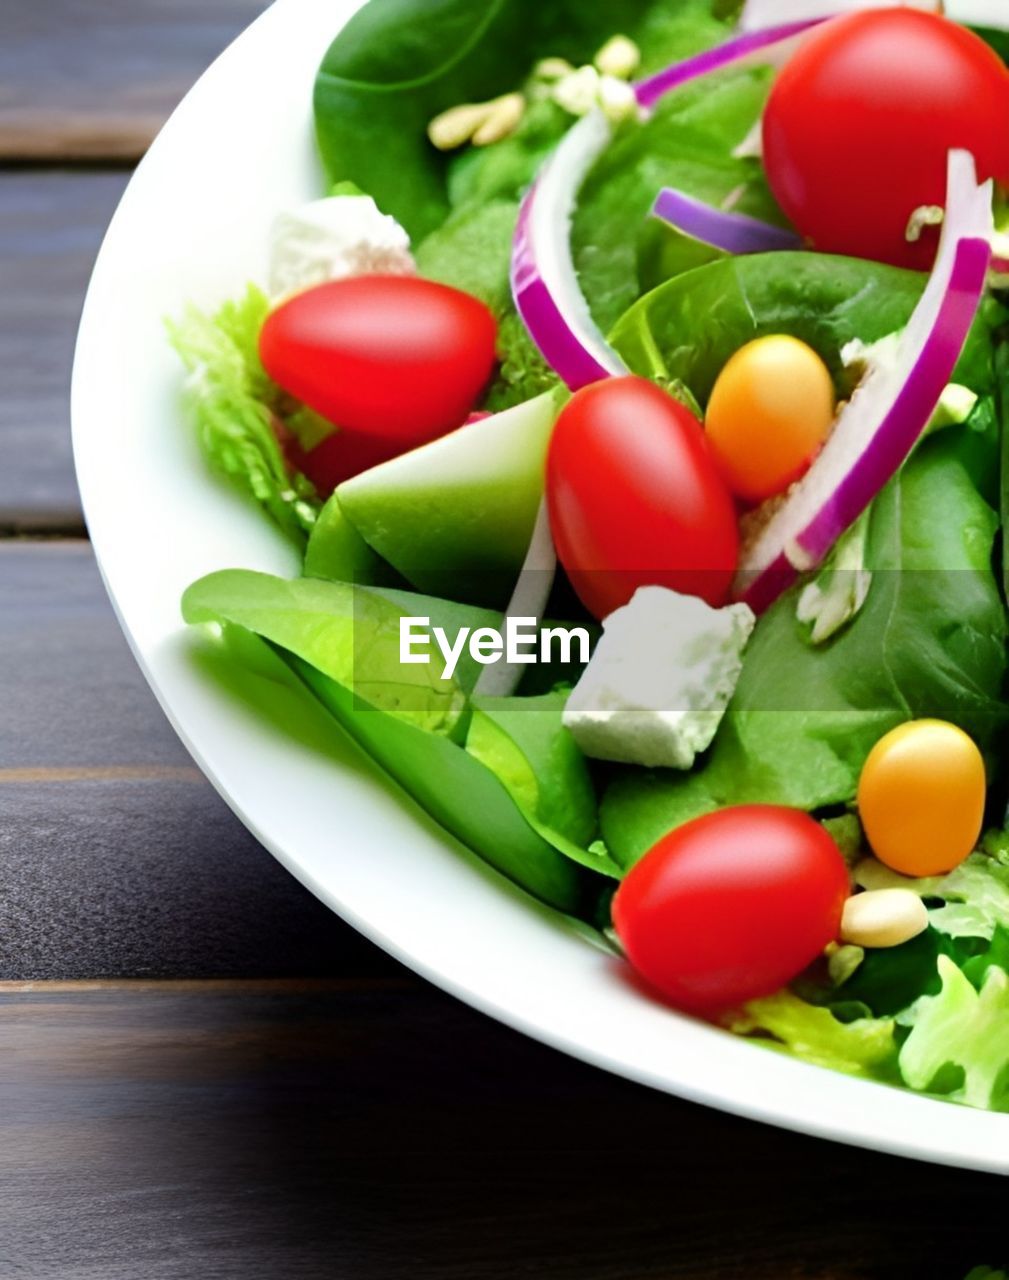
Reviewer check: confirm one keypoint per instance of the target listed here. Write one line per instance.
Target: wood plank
(97, 78)
(116, 857)
(313, 1132)
(51, 225)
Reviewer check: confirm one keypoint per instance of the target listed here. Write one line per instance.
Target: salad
(634, 395)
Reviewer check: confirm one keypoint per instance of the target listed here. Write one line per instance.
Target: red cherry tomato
(391, 356)
(635, 499)
(732, 906)
(339, 457)
(860, 122)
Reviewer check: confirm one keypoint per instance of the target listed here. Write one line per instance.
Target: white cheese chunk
(660, 679)
(334, 239)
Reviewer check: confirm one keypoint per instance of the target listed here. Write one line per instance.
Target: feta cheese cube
(333, 239)
(660, 679)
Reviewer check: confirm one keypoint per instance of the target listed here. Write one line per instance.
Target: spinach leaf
(1002, 406)
(398, 63)
(338, 553)
(523, 741)
(619, 250)
(394, 66)
(890, 979)
(689, 327)
(343, 643)
(929, 641)
(472, 252)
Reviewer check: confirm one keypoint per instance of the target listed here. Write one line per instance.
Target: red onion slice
(892, 406)
(732, 232)
(544, 281)
(772, 45)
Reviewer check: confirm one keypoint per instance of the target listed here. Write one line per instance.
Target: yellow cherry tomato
(769, 413)
(921, 797)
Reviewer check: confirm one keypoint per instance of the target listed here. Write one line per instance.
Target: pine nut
(504, 118)
(619, 57)
(552, 69)
(883, 918)
(457, 126)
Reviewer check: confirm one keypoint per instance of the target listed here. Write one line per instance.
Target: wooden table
(204, 1074)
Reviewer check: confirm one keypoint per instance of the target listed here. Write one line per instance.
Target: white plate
(193, 226)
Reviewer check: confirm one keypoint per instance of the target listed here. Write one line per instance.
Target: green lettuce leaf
(995, 955)
(865, 1047)
(232, 403)
(929, 641)
(975, 896)
(961, 1032)
(342, 642)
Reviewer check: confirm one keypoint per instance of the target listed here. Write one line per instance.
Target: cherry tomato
(635, 499)
(921, 797)
(770, 411)
(391, 356)
(339, 457)
(732, 906)
(860, 122)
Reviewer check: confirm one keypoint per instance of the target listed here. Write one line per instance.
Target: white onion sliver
(757, 15)
(881, 423)
(752, 146)
(731, 232)
(529, 600)
(993, 14)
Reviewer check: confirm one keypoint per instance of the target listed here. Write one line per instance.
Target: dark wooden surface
(320, 1113)
(95, 79)
(349, 1130)
(51, 224)
(117, 858)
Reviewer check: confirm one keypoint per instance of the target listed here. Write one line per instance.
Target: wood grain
(51, 225)
(95, 79)
(262, 1132)
(116, 857)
